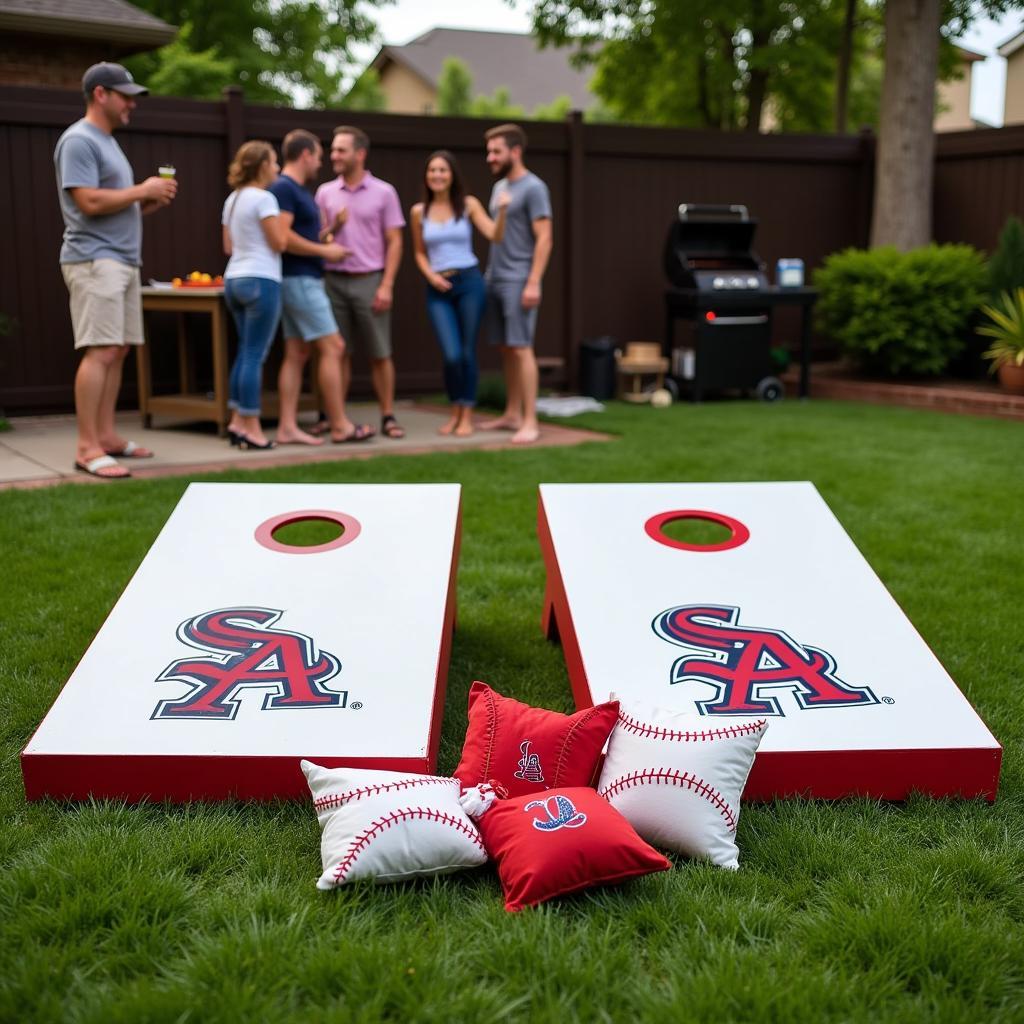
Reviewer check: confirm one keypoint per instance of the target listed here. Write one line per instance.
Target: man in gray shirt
(100, 259)
(514, 272)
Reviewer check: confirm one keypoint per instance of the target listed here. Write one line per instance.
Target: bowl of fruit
(198, 280)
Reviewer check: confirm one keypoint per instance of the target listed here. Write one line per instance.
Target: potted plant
(1006, 329)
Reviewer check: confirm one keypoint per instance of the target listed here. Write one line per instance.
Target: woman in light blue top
(254, 238)
(442, 234)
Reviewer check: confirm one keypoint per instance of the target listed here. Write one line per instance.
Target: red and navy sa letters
(244, 652)
(740, 662)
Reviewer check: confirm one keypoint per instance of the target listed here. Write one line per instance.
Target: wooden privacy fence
(614, 191)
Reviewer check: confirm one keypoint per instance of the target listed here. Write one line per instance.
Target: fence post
(866, 189)
(234, 118)
(574, 248)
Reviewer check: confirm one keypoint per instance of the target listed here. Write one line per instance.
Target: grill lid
(707, 236)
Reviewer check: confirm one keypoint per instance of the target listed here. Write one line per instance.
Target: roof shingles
(532, 76)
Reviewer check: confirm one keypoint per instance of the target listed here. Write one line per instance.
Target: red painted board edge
(555, 593)
(444, 655)
(181, 778)
(962, 772)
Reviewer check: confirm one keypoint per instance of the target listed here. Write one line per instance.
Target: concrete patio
(39, 450)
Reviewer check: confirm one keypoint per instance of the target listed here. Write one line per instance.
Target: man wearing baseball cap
(100, 259)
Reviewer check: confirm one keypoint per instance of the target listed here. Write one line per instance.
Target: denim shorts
(307, 311)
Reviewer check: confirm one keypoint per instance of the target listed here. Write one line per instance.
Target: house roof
(1012, 45)
(113, 21)
(512, 59)
(970, 56)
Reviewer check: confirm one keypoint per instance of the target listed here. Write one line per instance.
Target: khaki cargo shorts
(351, 298)
(106, 304)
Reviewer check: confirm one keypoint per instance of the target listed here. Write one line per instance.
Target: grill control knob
(751, 282)
(718, 282)
(735, 282)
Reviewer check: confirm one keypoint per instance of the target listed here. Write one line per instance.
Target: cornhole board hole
(231, 655)
(781, 619)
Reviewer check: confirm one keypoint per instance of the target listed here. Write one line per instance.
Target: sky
(399, 22)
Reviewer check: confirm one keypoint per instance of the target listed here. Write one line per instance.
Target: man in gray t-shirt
(100, 258)
(514, 272)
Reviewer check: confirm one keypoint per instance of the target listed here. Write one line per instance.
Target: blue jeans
(455, 316)
(255, 304)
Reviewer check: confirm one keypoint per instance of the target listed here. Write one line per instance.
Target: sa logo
(244, 652)
(741, 663)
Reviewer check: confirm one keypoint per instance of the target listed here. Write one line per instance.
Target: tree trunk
(906, 138)
(843, 67)
(757, 90)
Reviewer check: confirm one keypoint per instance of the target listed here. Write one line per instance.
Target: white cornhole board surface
(790, 624)
(228, 658)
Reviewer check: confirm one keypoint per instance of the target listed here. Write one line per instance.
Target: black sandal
(248, 445)
(390, 427)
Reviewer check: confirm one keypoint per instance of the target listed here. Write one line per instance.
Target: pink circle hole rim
(654, 528)
(350, 526)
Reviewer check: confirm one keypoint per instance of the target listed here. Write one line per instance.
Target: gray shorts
(505, 320)
(305, 311)
(351, 298)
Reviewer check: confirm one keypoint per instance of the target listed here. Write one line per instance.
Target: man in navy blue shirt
(306, 315)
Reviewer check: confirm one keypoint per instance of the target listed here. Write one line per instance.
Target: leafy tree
(905, 157)
(557, 110)
(709, 63)
(182, 71)
(498, 105)
(454, 88)
(366, 93)
(279, 51)
(801, 65)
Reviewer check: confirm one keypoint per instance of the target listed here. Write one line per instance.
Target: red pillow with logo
(561, 841)
(529, 749)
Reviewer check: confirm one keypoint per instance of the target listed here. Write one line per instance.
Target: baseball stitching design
(645, 729)
(672, 777)
(381, 825)
(340, 799)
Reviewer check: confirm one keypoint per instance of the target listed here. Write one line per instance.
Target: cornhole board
(783, 620)
(231, 656)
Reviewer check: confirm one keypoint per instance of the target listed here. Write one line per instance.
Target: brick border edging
(962, 401)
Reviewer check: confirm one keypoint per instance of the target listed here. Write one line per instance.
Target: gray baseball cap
(112, 76)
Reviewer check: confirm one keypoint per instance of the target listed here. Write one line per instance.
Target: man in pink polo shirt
(363, 214)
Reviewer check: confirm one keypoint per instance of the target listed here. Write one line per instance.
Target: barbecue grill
(721, 293)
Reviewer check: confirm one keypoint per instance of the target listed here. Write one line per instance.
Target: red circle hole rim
(350, 526)
(654, 527)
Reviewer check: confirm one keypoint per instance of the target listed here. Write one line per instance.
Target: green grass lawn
(849, 911)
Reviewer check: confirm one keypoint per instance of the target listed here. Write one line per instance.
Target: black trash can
(597, 367)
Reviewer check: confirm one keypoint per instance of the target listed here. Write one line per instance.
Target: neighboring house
(1013, 98)
(953, 100)
(51, 42)
(409, 73)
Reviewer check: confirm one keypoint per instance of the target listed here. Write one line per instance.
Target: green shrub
(490, 392)
(1006, 268)
(899, 313)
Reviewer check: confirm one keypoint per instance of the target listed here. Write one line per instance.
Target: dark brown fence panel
(614, 191)
(979, 182)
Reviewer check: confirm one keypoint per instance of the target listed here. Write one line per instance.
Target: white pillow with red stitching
(677, 777)
(389, 826)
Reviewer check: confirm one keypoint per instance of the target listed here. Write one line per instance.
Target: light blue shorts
(307, 310)
(505, 320)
